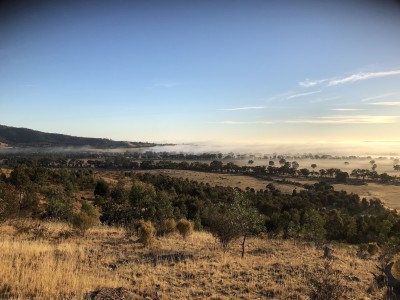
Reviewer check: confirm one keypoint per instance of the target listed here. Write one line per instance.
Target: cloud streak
(310, 83)
(386, 103)
(243, 108)
(346, 109)
(302, 95)
(358, 119)
(363, 76)
(349, 79)
(376, 97)
(242, 122)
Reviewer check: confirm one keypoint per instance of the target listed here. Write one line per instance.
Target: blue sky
(235, 72)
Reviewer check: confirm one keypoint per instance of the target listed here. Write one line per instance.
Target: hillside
(52, 262)
(24, 137)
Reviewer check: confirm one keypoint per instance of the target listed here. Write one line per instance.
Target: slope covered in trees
(24, 137)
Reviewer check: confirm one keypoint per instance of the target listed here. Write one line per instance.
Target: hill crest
(25, 137)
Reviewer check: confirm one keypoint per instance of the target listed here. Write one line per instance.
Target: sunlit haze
(298, 74)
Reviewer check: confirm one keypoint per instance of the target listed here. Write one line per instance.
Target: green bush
(9, 204)
(185, 228)
(59, 206)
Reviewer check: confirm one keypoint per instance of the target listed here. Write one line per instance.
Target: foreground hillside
(44, 260)
(24, 137)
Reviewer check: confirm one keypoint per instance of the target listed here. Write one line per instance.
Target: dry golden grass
(231, 180)
(173, 268)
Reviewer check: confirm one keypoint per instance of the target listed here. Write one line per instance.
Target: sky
(323, 73)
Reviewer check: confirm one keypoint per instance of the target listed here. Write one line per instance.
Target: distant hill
(24, 137)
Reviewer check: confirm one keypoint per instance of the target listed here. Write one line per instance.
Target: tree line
(318, 213)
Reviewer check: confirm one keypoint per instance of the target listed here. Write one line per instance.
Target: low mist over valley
(200, 149)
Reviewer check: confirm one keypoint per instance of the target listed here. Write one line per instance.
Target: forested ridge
(24, 137)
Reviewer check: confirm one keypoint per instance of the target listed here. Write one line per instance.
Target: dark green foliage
(59, 206)
(230, 221)
(314, 226)
(342, 177)
(2, 176)
(9, 203)
(30, 204)
(28, 137)
(102, 188)
(317, 213)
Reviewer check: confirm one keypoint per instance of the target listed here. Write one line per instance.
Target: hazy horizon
(275, 74)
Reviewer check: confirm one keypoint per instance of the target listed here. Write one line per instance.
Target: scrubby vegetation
(318, 213)
(152, 207)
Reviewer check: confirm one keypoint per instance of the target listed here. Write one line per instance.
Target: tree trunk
(243, 245)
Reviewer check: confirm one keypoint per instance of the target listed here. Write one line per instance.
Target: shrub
(166, 227)
(396, 268)
(326, 284)
(146, 233)
(102, 188)
(9, 206)
(373, 248)
(59, 206)
(87, 217)
(185, 228)
(222, 228)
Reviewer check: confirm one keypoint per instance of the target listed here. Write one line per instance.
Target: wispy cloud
(386, 103)
(358, 119)
(243, 108)
(346, 109)
(242, 122)
(310, 83)
(348, 79)
(376, 97)
(363, 76)
(302, 95)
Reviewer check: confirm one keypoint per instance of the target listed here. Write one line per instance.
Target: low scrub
(146, 232)
(166, 227)
(185, 228)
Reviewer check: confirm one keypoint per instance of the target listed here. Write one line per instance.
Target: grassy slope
(53, 268)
